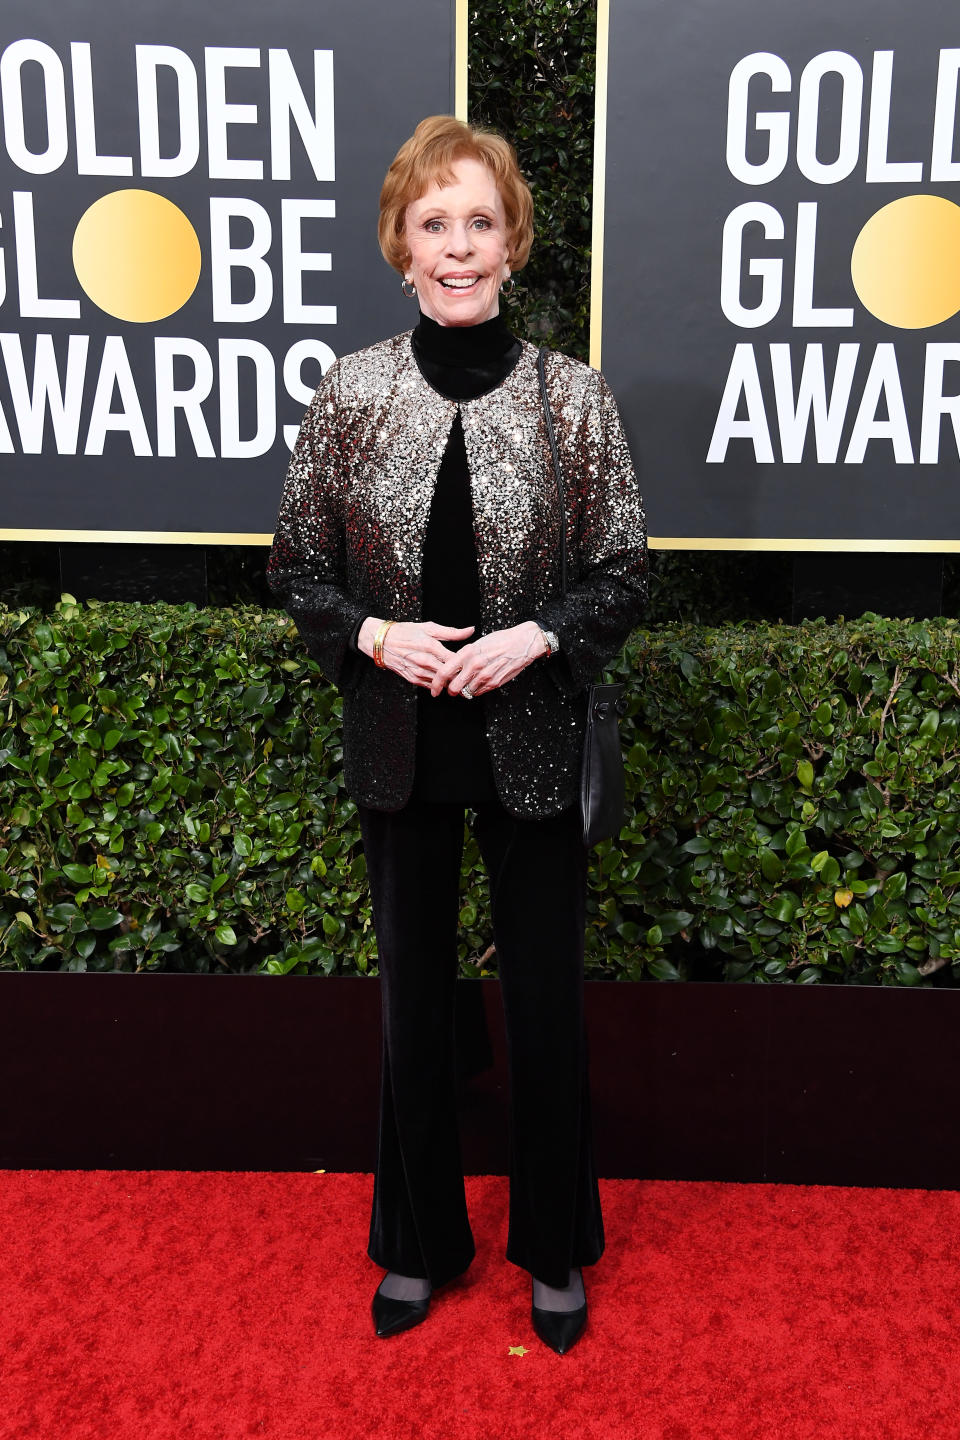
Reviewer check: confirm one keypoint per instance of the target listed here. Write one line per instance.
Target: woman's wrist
(538, 640)
(367, 635)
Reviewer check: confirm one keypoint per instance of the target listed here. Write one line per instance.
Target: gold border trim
(460, 65)
(599, 182)
(752, 542)
(656, 542)
(142, 537)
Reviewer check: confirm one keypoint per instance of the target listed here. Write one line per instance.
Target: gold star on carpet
(517, 1350)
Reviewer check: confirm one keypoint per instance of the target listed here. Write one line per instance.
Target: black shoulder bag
(602, 788)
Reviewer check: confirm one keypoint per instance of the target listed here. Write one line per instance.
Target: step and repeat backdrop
(780, 245)
(188, 207)
(188, 238)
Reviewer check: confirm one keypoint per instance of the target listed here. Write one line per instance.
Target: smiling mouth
(456, 283)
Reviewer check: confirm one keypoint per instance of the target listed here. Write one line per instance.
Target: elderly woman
(418, 550)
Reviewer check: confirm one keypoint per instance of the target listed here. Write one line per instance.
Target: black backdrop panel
(269, 128)
(806, 1084)
(798, 382)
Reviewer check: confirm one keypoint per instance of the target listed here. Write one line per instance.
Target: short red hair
(426, 159)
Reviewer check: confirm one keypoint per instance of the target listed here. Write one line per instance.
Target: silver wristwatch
(551, 640)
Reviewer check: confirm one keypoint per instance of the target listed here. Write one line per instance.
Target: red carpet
(166, 1306)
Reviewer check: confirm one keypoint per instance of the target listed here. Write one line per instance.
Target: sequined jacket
(349, 541)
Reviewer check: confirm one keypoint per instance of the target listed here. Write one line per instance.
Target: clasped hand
(416, 651)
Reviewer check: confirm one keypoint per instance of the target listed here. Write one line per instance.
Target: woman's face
(457, 235)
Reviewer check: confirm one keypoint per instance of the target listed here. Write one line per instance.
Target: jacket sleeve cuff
(355, 634)
(563, 668)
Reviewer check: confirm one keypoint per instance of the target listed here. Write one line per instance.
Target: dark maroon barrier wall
(721, 1082)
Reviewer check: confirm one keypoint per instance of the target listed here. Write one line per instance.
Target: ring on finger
(467, 693)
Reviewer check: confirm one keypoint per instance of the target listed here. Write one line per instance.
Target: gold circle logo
(906, 262)
(136, 255)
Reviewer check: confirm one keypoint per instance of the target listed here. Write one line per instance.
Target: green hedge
(531, 71)
(170, 799)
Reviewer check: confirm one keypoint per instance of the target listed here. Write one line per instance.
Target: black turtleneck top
(463, 363)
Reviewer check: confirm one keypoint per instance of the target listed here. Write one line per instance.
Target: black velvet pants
(537, 875)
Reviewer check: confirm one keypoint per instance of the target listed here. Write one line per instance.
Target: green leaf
(103, 918)
(662, 969)
(809, 975)
(856, 920)
(830, 872)
(785, 907)
(761, 794)
(771, 866)
(61, 915)
(284, 801)
(673, 922)
(226, 934)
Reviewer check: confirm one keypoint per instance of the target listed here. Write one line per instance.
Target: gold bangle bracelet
(378, 640)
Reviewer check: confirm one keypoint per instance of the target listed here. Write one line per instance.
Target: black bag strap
(551, 436)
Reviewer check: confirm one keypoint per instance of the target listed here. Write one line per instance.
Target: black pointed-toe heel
(560, 1329)
(390, 1317)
